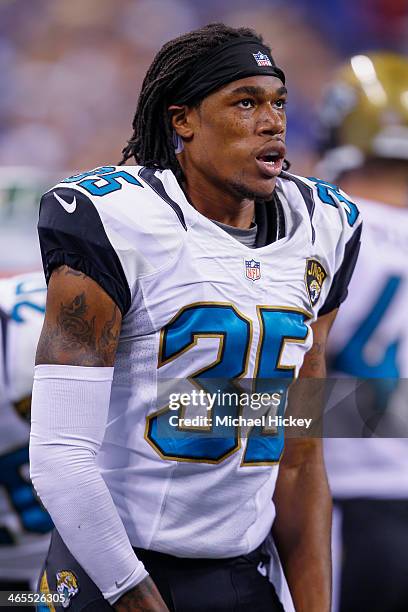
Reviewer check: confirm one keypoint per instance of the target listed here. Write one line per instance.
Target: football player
(206, 259)
(365, 144)
(24, 524)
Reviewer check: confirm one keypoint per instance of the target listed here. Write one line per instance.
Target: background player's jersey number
(223, 321)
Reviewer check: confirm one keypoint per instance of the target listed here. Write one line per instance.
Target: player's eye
(246, 103)
(281, 103)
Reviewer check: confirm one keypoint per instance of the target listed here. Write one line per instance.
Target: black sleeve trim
(339, 288)
(148, 175)
(270, 219)
(79, 240)
(281, 223)
(307, 195)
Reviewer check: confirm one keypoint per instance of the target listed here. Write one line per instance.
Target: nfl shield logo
(262, 59)
(252, 269)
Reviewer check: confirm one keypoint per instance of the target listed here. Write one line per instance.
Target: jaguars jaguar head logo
(314, 291)
(67, 585)
(315, 276)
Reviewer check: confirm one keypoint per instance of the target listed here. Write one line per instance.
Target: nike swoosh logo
(70, 207)
(120, 584)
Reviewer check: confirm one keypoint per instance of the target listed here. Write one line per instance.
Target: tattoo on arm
(75, 334)
(75, 331)
(109, 338)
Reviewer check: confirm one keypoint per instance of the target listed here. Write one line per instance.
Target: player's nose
(271, 122)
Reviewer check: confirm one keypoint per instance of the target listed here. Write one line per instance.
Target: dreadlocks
(151, 143)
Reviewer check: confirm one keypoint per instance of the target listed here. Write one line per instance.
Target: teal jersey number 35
(224, 321)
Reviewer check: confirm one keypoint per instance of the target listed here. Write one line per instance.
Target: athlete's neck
(236, 214)
(217, 203)
(375, 182)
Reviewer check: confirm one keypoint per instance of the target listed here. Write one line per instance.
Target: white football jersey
(24, 524)
(369, 339)
(195, 300)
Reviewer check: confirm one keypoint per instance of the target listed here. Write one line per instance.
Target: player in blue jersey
(204, 259)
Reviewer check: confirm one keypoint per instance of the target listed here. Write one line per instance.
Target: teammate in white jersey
(366, 142)
(24, 524)
(206, 259)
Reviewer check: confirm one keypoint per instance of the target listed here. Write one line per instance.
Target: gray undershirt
(247, 237)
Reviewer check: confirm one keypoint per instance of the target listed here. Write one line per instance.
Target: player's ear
(181, 120)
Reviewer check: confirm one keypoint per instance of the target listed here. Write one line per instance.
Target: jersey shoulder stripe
(307, 194)
(149, 176)
(326, 200)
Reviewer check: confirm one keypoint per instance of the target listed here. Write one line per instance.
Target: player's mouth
(270, 159)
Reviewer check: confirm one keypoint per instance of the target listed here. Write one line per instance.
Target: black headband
(237, 59)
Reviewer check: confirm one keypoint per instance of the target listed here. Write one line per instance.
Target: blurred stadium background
(71, 71)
